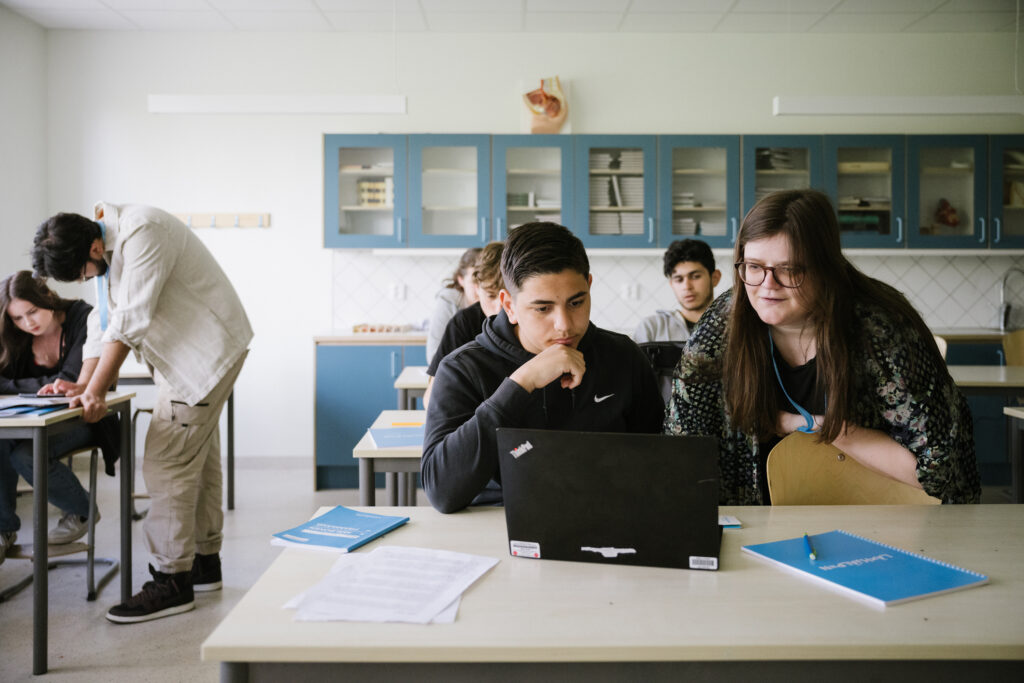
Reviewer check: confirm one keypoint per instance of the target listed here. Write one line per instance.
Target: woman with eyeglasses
(805, 341)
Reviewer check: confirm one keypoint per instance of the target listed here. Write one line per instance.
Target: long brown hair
(466, 262)
(22, 285)
(831, 288)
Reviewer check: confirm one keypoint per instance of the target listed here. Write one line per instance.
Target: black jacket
(24, 376)
(473, 395)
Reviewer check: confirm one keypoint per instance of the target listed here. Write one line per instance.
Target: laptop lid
(642, 499)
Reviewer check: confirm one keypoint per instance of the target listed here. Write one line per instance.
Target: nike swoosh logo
(598, 399)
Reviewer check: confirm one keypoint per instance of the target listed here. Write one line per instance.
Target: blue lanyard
(809, 427)
(101, 285)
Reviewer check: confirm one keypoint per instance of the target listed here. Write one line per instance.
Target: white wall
(103, 145)
(23, 181)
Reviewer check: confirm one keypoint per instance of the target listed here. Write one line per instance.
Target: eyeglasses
(754, 274)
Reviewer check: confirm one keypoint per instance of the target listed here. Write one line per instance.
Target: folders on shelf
(340, 530)
(866, 569)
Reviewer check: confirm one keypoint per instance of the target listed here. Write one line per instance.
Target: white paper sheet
(394, 583)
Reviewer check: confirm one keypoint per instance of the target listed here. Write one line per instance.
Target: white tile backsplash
(949, 291)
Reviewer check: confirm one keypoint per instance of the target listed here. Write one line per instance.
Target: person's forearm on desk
(93, 398)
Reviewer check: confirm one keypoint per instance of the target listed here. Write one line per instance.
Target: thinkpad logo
(516, 452)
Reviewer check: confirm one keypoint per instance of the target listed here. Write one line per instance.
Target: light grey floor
(271, 494)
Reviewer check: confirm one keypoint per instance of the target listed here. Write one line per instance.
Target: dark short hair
(538, 249)
(682, 251)
(61, 246)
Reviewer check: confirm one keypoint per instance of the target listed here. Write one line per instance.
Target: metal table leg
(367, 493)
(40, 551)
(231, 450)
(127, 502)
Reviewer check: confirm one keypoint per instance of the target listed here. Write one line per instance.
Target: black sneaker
(205, 573)
(165, 595)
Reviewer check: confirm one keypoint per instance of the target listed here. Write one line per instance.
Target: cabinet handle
(982, 221)
(399, 231)
(732, 240)
(1002, 358)
(650, 231)
(497, 229)
(483, 228)
(899, 230)
(999, 230)
(394, 364)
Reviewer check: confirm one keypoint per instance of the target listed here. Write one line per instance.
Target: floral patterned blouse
(902, 391)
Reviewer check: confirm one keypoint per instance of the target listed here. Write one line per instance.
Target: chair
(57, 551)
(1013, 347)
(802, 471)
(664, 357)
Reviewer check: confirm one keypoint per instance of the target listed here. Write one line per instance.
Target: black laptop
(639, 499)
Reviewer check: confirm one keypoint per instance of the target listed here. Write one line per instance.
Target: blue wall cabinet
(779, 162)
(532, 181)
(449, 190)
(1006, 191)
(987, 414)
(947, 191)
(865, 176)
(365, 191)
(699, 188)
(616, 190)
(353, 385)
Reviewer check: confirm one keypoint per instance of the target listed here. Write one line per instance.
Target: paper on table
(38, 401)
(394, 583)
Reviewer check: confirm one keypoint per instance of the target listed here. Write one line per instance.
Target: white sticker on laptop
(525, 549)
(698, 562)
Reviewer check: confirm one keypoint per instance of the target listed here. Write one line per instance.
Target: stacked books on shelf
(605, 224)
(600, 161)
(632, 223)
(631, 160)
(541, 203)
(706, 227)
(600, 191)
(376, 192)
(682, 199)
(684, 226)
(774, 159)
(632, 189)
(517, 199)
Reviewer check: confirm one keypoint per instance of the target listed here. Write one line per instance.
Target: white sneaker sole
(207, 587)
(168, 612)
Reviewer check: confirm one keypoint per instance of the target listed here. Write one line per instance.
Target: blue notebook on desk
(873, 571)
(340, 529)
(393, 437)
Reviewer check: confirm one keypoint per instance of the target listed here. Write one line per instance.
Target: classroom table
(969, 335)
(401, 461)
(411, 384)
(549, 620)
(40, 428)
(1015, 426)
(143, 377)
(988, 380)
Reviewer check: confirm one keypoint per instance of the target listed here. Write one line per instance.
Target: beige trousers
(182, 472)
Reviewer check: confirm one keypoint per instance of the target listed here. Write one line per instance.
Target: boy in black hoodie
(538, 364)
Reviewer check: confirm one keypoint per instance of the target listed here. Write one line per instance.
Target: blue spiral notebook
(873, 571)
(340, 529)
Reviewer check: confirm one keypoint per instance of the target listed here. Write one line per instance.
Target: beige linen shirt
(169, 301)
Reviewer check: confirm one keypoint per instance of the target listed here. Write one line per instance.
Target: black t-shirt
(800, 383)
(461, 329)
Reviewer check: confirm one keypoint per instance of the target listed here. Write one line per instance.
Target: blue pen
(810, 548)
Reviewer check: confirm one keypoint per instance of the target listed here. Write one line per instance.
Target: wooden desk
(411, 384)
(143, 378)
(969, 335)
(988, 380)
(548, 620)
(1015, 427)
(40, 428)
(391, 461)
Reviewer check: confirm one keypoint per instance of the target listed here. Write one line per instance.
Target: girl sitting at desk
(806, 341)
(41, 338)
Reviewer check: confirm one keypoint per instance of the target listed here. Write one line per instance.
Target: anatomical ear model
(548, 106)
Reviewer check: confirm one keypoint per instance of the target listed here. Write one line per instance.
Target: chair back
(663, 356)
(1013, 347)
(802, 471)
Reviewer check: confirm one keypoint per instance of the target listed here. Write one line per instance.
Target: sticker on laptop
(524, 549)
(698, 562)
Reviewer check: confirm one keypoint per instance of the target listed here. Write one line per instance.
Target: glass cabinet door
(364, 190)
(532, 181)
(779, 162)
(699, 188)
(865, 176)
(946, 198)
(449, 190)
(1006, 191)
(615, 190)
